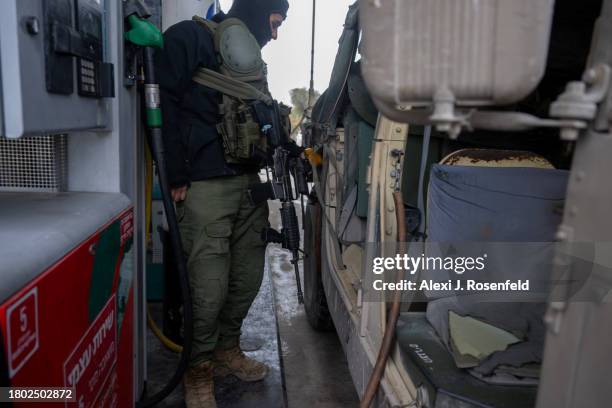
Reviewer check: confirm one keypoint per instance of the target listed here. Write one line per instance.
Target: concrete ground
(308, 368)
(260, 341)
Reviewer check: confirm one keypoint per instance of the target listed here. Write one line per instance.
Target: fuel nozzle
(142, 33)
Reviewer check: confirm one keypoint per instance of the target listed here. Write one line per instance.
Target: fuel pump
(68, 250)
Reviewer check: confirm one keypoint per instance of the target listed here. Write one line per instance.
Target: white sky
(288, 58)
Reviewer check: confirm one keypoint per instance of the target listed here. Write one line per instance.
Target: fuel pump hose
(154, 122)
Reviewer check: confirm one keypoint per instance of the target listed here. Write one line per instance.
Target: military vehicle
(463, 120)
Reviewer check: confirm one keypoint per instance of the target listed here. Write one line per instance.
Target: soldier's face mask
(276, 20)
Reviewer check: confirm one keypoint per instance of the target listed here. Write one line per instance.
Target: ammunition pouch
(243, 141)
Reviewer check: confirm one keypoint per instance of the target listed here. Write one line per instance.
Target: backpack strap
(211, 26)
(229, 86)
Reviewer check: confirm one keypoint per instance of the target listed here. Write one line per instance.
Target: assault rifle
(285, 162)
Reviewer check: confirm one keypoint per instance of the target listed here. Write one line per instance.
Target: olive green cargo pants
(221, 233)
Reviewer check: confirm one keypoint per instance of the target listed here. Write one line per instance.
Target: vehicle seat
(482, 195)
(478, 196)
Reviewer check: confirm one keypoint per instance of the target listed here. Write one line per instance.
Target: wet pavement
(308, 368)
(314, 366)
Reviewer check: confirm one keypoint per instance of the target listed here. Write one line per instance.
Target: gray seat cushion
(483, 204)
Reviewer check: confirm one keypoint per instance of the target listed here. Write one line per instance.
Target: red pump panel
(72, 326)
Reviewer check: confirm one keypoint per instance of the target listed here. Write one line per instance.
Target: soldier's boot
(233, 361)
(199, 386)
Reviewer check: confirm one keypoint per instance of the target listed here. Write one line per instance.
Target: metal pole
(312, 55)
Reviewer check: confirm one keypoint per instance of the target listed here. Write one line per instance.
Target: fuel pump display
(83, 40)
(53, 55)
(95, 77)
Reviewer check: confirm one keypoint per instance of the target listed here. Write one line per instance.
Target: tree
(299, 99)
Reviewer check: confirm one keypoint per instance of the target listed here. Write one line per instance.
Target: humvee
(491, 121)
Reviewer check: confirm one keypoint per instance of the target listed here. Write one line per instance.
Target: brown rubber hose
(389, 335)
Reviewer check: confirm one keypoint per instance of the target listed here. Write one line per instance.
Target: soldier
(210, 137)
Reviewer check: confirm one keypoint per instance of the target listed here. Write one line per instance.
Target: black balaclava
(256, 15)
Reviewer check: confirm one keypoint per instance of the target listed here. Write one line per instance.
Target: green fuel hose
(154, 122)
(146, 35)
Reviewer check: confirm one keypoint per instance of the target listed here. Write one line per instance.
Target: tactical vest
(242, 79)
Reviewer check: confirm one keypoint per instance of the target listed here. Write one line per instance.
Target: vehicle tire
(315, 302)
